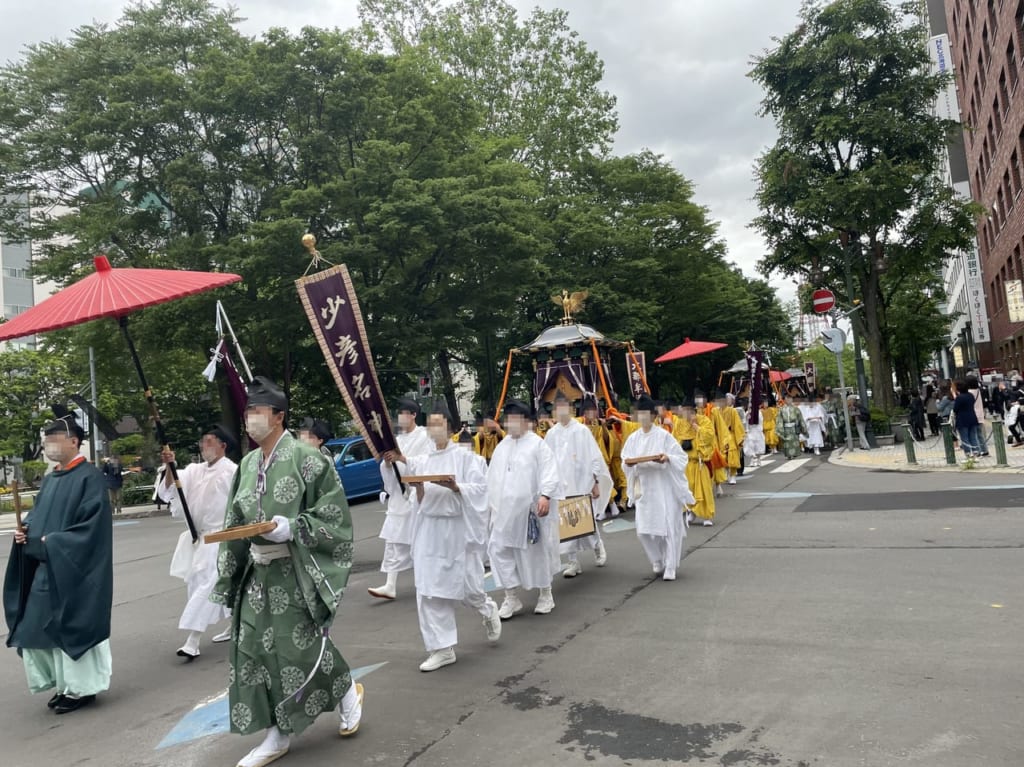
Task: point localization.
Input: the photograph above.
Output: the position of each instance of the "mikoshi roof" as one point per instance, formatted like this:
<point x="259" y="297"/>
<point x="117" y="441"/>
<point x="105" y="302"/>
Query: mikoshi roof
<point x="558" y="336"/>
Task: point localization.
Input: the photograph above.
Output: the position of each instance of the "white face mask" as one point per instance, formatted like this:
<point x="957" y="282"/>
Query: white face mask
<point x="406" y="421"/>
<point x="562" y="414"/>
<point x="699" y="402"/>
<point x="644" y="419"/>
<point x="514" y="427"/>
<point x="438" y="434"/>
<point x="209" y="454"/>
<point x="258" y="426"/>
<point x="53" y="452"/>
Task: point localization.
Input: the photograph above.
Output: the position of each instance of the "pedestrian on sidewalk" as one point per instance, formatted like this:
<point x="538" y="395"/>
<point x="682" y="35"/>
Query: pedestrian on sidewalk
<point x="861" y="417"/>
<point x="1013" y="422"/>
<point x="58" y="590"/>
<point x="977" y="392"/>
<point x="966" y="419"/>
<point x="917" y="416"/>
<point x="113" y="473"/>
<point x="931" y="408"/>
<point x="206" y="486"/>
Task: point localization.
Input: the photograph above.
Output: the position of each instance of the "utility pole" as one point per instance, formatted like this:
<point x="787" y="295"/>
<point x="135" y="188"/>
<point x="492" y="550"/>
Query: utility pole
<point x="862" y="383"/>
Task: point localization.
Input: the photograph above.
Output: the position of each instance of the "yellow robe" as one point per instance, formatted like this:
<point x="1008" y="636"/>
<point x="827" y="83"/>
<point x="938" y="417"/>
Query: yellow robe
<point x="611" y="451"/>
<point x="734" y="423"/>
<point x="620" y="434"/>
<point x="485" y="443"/>
<point x="768" y="417"/>
<point x="698" y="472"/>
<point x="725" y="444"/>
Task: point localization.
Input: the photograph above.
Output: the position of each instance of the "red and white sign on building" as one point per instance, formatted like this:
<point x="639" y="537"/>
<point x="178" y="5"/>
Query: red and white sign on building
<point x="823" y="300"/>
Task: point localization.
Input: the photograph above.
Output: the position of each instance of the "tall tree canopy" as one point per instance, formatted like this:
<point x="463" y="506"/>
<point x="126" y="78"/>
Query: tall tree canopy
<point x="851" y="183"/>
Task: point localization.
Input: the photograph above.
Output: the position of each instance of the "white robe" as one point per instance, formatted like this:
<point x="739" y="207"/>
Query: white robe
<point x="580" y="463"/>
<point x="397" y="528"/>
<point x="521" y="470"/>
<point x="814" y="416"/>
<point x="753" y="444"/>
<point x="206" y="491"/>
<point x="659" y="492"/>
<point x="449" y="537"/>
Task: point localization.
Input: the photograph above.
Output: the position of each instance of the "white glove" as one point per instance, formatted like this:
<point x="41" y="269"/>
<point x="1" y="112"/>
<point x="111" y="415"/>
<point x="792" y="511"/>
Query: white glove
<point x="282" y="533"/>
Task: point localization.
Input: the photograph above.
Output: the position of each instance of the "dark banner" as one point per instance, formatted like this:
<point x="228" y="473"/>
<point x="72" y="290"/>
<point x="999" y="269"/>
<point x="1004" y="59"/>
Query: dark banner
<point x="755" y="374"/>
<point x="333" y="311"/>
<point x="636" y="364"/>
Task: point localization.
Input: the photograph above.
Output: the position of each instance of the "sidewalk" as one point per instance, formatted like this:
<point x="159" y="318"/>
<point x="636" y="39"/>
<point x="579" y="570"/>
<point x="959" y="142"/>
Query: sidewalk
<point x="8" y="522"/>
<point x="930" y="456"/>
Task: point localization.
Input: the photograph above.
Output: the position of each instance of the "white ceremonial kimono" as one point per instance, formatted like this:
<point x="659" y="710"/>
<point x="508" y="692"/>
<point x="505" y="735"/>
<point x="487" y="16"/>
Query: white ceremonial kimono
<point x="397" y="528"/>
<point x="659" y="492"/>
<point x="753" y="444"/>
<point x="449" y="538"/>
<point x="206" y="491"/>
<point x="579" y="462"/>
<point x="814" y="416"/>
<point x="521" y="470"/>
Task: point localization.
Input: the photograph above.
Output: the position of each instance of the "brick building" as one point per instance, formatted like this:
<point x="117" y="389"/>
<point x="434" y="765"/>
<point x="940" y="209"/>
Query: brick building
<point x="986" y="39"/>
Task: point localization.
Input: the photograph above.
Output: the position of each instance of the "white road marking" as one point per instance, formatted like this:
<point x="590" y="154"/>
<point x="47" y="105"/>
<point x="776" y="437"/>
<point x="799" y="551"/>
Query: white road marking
<point x="789" y="466"/>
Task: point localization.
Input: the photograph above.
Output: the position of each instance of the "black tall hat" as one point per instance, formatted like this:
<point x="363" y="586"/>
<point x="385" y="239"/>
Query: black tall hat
<point x="644" y="402"/>
<point x="318" y="428"/>
<point x="221" y="433"/>
<point x="517" y="407"/>
<point x="263" y="391"/>
<point x="406" y="405"/>
<point x="465" y="437"/>
<point x="441" y="409"/>
<point x="560" y="397"/>
<point x="64" y="422"/>
<point x="589" y="403"/>
<point x="687" y="402"/>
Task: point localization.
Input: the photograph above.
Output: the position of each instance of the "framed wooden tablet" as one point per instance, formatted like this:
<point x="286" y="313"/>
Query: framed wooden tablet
<point x="644" y="459"/>
<point x="416" y="478"/>
<point x="240" y="531"/>
<point x="575" y="518"/>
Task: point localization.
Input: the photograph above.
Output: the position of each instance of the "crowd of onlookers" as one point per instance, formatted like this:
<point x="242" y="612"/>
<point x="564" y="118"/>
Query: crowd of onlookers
<point x="968" y="405"/>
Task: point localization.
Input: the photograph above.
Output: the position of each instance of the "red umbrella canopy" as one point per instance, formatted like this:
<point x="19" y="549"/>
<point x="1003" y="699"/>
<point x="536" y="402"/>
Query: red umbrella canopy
<point x="778" y="376"/>
<point x="690" y="348"/>
<point x="110" y="292"/>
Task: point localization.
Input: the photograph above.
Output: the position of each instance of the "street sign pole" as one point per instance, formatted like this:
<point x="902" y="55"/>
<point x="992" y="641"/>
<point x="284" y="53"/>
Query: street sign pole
<point x="845" y="402"/>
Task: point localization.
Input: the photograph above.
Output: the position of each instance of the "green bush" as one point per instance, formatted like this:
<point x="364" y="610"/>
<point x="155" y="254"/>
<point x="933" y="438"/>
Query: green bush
<point x="881" y="424"/>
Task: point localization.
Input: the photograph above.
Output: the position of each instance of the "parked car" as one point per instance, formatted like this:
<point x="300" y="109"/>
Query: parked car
<point x="357" y="469"/>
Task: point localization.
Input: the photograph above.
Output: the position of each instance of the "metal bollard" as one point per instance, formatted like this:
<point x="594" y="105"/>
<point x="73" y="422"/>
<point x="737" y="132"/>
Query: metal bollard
<point x="947" y="443"/>
<point x="908" y="443"/>
<point x="999" y="441"/>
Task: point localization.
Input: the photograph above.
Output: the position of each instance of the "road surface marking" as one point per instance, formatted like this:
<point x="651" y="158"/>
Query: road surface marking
<point x="783" y="495"/>
<point x="789" y="466"/>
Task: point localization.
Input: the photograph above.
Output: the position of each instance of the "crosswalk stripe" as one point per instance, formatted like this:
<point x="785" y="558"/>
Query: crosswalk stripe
<point x="789" y="466"/>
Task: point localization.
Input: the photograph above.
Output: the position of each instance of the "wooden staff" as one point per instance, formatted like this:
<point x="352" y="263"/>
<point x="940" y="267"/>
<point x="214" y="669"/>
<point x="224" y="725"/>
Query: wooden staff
<point x="16" y="499"/>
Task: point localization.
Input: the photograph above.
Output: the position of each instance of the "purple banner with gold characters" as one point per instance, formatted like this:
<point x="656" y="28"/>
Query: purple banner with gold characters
<point x="636" y="364"/>
<point x="333" y="311"/>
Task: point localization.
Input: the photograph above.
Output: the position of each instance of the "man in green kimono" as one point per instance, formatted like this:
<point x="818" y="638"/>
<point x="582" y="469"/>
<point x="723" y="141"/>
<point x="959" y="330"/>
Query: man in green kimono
<point x="60" y="577"/>
<point x="789" y="425"/>
<point x="284" y="587"/>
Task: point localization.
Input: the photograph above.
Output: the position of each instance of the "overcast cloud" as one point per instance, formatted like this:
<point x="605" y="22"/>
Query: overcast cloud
<point x="677" y="67"/>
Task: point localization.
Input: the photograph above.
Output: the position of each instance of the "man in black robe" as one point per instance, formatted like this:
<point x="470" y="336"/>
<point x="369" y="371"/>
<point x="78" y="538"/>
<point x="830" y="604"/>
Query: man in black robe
<point x="58" y="589"/>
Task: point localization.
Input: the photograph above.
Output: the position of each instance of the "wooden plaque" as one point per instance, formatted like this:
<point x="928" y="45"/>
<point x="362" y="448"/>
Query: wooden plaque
<point x="240" y="531"/>
<point x="645" y="459"/>
<point x="575" y="518"/>
<point x="414" y="479"/>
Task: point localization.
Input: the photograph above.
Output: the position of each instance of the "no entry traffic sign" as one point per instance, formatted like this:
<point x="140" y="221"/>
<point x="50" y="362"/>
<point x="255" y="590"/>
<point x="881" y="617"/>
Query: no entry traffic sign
<point x="823" y="300"/>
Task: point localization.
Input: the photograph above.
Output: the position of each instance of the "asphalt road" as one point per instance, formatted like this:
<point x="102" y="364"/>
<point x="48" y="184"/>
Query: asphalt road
<point x="888" y="631"/>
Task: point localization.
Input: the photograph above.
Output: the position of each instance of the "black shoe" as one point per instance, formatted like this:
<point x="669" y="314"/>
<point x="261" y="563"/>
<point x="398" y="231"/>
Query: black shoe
<point x="67" y="705"/>
<point x="55" y="700"/>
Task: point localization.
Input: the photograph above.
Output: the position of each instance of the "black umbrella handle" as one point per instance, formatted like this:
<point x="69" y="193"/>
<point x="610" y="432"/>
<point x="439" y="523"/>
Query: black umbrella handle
<point x="161" y="436"/>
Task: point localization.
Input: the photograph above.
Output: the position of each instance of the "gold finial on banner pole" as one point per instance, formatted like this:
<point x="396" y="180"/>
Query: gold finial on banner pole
<point x="309" y="243"/>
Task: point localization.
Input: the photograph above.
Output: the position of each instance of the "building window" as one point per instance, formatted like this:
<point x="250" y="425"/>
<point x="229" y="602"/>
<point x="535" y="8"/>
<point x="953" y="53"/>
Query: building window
<point x="1012" y="66"/>
<point x="13" y="310"/>
<point x="1007" y="191"/>
<point x="10" y="271"/>
<point x="997" y="113"/>
<point x="1015" y="172"/>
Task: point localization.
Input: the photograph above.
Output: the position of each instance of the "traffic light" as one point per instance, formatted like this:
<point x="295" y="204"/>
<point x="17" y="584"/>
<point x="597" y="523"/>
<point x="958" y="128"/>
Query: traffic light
<point x="425" y="385"/>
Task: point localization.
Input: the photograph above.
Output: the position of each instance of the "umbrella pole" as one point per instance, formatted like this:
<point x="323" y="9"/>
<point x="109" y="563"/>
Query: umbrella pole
<point x="160" y="435"/>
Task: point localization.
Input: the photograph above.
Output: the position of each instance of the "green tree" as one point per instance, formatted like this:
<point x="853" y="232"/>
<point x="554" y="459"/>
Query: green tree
<point x="33" y="380"/>
<point x="852" y="181"/>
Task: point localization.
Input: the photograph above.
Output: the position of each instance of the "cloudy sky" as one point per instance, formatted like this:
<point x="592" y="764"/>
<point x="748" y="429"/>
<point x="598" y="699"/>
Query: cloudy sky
<point x="677" y="67"/>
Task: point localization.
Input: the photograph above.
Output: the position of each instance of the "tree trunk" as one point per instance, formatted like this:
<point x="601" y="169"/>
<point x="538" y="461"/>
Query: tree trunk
<point x="444" y="364"/>
<point x="876" y="341"/>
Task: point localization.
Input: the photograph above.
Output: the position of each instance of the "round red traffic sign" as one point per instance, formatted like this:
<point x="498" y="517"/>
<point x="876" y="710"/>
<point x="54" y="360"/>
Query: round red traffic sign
<point x="823" y="300"/>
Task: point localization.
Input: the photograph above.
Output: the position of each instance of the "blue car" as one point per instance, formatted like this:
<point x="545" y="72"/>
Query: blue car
<point x="357" y="469"/>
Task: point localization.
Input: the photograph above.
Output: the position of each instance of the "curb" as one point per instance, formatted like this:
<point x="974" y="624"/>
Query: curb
<point x="900" y="466"/>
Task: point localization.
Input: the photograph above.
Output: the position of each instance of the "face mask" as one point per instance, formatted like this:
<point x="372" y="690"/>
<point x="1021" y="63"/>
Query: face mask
<point x="514" y="428"/>
<point x="311" y="441"/>
<point x="258" y="426"/>
<point x="644" y="419"/>
<point x="699" y="402"/>
<point x="438" y="433"/>
<point x="562" y="414"/>
<point x="53" y="452"/>
<point x="406" y="421"/>
<point x="209" y="454"/>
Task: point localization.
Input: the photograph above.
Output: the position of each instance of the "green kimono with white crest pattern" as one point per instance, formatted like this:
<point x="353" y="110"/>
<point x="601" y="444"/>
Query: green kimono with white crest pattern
<point x="280" y="610"/>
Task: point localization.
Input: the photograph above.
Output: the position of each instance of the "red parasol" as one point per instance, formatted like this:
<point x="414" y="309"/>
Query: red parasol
<point x="778" y="376"/>
<point x="116" y="293"/>
<point x="690" y="348"/>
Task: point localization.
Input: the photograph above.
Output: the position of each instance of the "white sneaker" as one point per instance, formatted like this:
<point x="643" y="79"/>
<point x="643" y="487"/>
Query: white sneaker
<point x="352" y="714"/>
<point x="689" y="517"/>
<point x="817" y="451"/>
<point x="658" y="568"/>
<point x="438" y="659"/>
<point x="732" y="480"/>
<point x="492" y="623"/>
<point x="707" y="523"/>
<point x="224" y="636"/>
<point x="573" y="569"/>
<point x="600" y="555"/>
<point x="719" y="491"/>
<point x="545" y="602"/>
<point x="509" y="607"/>
<point x="670" y="575"/>
<point x="273" y="747"/>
